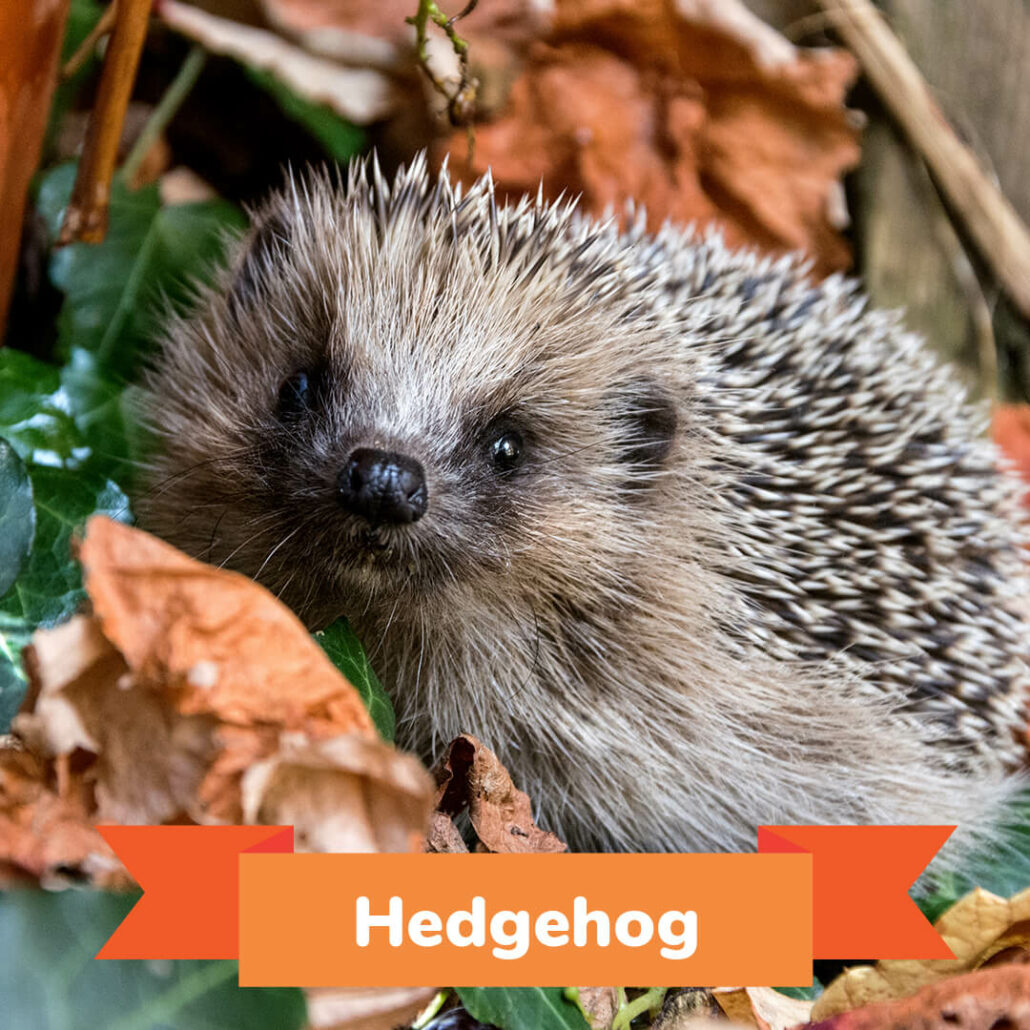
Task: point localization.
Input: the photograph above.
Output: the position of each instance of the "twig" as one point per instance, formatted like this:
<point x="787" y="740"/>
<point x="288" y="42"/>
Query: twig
<point x="86" y="216"/>
<point x="174" y="95"/>
<point x="426" y="1016"/>
<point x="628" y="1011"/>
<point x="87" y="46"/>
<point x="461" y="103"/>
<point x="992" y="223"/>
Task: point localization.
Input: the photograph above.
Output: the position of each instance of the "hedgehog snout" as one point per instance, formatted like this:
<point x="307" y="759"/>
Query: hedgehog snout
<point x="383" y="487"/>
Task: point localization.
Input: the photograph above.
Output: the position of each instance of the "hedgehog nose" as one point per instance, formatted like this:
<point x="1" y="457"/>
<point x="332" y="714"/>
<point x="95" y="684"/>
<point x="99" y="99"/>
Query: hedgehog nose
<point x="383" y="487"/>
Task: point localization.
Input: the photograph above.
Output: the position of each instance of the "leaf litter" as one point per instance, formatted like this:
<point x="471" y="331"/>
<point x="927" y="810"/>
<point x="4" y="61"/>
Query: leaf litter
<point x="190" y="694"/>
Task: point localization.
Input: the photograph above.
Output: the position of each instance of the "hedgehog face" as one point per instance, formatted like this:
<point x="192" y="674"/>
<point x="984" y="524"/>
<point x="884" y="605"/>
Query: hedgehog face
<point x="378" y="415"/>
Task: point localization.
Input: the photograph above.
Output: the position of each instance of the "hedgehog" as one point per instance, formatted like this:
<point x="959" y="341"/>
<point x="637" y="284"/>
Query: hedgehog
<point x="692" y="541"/>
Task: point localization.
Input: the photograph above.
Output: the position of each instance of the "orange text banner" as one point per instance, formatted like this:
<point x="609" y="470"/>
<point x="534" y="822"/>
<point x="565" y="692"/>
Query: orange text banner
<point x="741" y="918"/>
<point x="524" y="920"/>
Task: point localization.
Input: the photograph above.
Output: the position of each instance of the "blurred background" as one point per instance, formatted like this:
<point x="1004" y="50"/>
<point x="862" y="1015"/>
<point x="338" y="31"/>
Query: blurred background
<point x="748" y="113"/>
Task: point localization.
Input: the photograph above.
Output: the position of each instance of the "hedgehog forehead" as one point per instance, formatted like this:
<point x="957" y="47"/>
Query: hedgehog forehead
<point x="431" y="319"/>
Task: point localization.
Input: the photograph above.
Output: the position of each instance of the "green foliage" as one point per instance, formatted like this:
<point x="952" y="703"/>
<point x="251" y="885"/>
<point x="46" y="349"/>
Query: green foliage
<point x="341" y="139"/>
<point x="68" y="484"/>
<point x="346" y="653"/>
<point x="82" y="16"/>
<point x="1002" y="866"/>
<point x="49" y="979"/>
<point x="17" y="515"/>
<point x="114" y="292"/>
<point x="522" y="1008"/>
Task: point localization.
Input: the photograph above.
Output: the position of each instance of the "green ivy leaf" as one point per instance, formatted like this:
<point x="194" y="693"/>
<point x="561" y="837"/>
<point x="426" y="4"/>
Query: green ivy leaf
<point x="17" y="515"/>
<point x="114" y="295"/>
<point x="35" y="413"/>
<point x="49" y="979"/>
<point x="345" y="652"/>
<point x="522" y="1008"/>
<point x="341" y="139"/>
<point x="114" y="290"/>
<point x="68" y="484"/>
<point x="49" y="588"/>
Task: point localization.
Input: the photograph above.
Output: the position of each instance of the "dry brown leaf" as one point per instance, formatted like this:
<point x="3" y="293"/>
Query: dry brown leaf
<point x="697" y="110"/>
<point x="47" y="837"/>
<point x="347" y="794"/>
<point x="501" y="814"/>
<point x="600" y="1005"/>
<point x="185" y="680"/>
<point x="1010" y="424"/>
<point x="991" y="999"/>
<point x="365" y="1008"/>
<point x="978" y="928"/>
<point x="225" y="644"/>
<point x="361" y="95"/>
<point x="149" y="758"/>
<point x="508" y="20"/>
<point x="442" y="837"/>
<point x="691" y="1008"/>
<point x="763" y="1007"/>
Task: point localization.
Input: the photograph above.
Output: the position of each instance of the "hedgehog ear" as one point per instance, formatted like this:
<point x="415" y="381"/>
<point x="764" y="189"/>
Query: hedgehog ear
<point x="269" y="235"/>
<point x="647" y="423"/>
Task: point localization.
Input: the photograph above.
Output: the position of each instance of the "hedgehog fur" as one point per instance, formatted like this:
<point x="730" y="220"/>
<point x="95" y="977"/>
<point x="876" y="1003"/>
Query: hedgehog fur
<point x="754" y="563"/>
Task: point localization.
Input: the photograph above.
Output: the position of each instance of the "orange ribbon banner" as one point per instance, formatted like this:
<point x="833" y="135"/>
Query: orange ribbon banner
<point x="524" y="920"/>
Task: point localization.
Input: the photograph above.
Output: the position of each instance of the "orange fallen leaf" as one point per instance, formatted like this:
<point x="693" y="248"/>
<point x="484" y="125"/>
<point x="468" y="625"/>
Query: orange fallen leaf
<point x="697" y="110"/>
<point x="1011" y="428"/>
<point x="344" y="794"/>
<point x="47" y="837"/>
<point x="472" y="776"/>
<point x="191" y="694"/>
<point x="224" y="643"/>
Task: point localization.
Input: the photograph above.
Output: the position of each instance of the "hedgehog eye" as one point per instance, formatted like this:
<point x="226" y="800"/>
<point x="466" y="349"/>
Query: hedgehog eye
<point x="506" y="450"/>
<point x="295" y="396"/>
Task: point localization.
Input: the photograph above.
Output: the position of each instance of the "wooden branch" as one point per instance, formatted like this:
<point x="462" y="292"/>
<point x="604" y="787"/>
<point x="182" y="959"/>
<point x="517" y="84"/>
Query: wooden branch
<point x="989" y="219"/>
<point x="30" y="48"/>
<point x="89" y="44"/>
<point x="86" y="216"/>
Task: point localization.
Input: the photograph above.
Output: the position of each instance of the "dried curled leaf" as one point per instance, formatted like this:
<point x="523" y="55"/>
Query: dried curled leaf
<point x="599" y="1004"/>
<point x="763" y="1007"/>
<point x="508" y="20"/>
<point x="365" y="1008"/>
<point x="359" y="94"/>
<point x="471" y="776"/>
<point x="223" y="643"/>
<point x="46" y="831"/>
<point x="994" y="999"/>
<point x="346" y="794"/>
<point x="979" y="928"/>
<point x="185" y="680"/>
<point x="149" y="758"/>
<point x="697" y="110"/>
